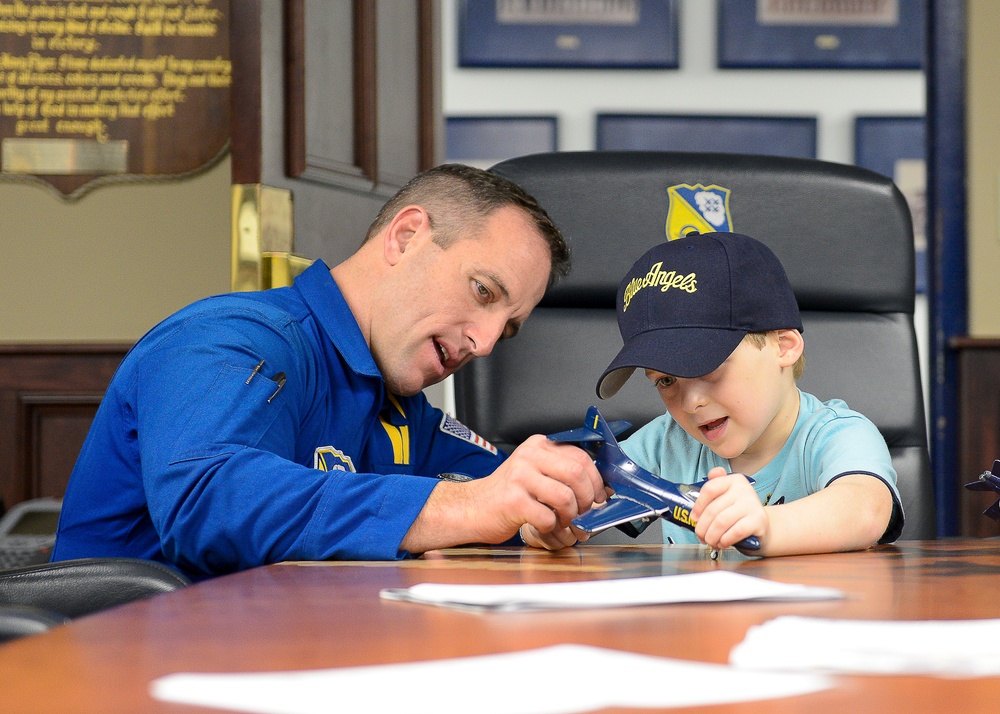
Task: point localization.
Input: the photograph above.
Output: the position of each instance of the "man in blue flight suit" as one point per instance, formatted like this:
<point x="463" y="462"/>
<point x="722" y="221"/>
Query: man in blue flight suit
<point x="289" y="424"/>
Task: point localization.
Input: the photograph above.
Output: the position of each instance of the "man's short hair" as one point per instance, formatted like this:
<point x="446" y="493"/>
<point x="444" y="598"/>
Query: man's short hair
<point x="459" y="199"/>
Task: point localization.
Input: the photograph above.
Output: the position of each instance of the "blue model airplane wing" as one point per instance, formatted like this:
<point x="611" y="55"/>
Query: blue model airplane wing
<point x="576" y="436"/>
<point x="614" y="512"/>
<point x="618" y="426"/>
<point x="594" y="431"/>
<point x="626" y="505"/>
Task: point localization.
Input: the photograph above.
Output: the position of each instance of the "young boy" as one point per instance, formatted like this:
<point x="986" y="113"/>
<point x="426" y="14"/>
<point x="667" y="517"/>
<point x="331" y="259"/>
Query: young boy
<point x="714" y="323"/>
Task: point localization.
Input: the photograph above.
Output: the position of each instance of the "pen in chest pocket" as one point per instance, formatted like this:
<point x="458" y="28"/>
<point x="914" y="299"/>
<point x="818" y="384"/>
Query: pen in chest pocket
<point x="278" y="379"/>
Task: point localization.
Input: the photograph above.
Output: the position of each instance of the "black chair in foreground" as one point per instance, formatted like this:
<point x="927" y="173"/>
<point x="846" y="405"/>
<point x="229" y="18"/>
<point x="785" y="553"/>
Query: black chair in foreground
<point x="73" y="588"/>
<point x="36" y="595"/>
<point x="35" y="598"/>
<point x="22" y="620"/>
<point x="843" y="234"/>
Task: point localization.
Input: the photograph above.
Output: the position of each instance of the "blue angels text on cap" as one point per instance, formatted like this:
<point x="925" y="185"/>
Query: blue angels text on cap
<point x="686" y="304"/>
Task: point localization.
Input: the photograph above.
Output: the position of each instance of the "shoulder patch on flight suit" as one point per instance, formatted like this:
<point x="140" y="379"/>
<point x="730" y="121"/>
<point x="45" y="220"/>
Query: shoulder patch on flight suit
<point x="327" y="458"/>
<point x="453" y="427"/>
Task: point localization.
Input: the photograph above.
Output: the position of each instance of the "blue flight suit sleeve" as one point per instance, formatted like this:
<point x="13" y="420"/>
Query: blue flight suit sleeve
<point x="218" y="447"/>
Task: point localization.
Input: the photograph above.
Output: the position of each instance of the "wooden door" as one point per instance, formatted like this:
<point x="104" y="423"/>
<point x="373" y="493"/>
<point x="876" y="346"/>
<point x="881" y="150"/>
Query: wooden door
<point x="336" y="102"/>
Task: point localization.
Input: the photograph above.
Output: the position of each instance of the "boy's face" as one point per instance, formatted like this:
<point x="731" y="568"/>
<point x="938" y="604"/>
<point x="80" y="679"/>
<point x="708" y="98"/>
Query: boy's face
<point x="745" y="409"/>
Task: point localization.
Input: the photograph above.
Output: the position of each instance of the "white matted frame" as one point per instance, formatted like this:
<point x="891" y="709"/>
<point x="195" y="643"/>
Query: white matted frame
<point x="896" y="147"/>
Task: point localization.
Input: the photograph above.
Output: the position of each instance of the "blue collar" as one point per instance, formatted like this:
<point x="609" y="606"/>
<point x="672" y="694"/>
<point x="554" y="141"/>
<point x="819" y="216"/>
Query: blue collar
<point x="327" y="304"/>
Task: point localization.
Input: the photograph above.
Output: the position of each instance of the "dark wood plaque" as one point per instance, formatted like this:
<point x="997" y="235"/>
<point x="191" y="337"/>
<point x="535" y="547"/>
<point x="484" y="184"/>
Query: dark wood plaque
<point x="104" y="91"/>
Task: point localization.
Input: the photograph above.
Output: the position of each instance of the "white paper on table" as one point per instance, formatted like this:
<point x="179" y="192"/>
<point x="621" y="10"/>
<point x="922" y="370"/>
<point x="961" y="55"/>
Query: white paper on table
<point x="945" y="648"/>
<point x="561" y="679"/>
<point x="710" y="586"/>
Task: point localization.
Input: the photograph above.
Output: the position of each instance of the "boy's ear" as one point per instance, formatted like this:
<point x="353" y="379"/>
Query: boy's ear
<point x="790" y="346"/>
<point x="405" y="230"/>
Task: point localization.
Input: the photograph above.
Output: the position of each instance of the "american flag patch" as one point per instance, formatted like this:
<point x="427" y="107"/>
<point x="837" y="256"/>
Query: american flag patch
<point x="459" y="430"/>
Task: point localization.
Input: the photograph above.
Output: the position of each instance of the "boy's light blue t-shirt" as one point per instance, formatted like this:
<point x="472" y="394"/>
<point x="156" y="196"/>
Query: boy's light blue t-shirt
<point x="829" y="440"/>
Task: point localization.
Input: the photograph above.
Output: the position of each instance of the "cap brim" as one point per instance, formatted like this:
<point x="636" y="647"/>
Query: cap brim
<point x="612" y="380"/>
<point x="680" y="352"/>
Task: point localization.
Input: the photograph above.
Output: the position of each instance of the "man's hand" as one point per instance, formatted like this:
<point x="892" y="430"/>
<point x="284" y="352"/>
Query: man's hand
<point x="554" y="540"/>
<point x="728" y="510"/>
<point x="545" y="485"/>
<point x="542" y="484"/>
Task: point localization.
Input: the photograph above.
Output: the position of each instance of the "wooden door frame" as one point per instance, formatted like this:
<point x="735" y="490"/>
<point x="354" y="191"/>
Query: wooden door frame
<point x="947" y="288"/>
<point x="245" y="101"/>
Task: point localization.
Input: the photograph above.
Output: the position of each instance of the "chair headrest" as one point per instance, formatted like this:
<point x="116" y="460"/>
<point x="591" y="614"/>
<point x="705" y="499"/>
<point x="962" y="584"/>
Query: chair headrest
<point x="857" y="220"/>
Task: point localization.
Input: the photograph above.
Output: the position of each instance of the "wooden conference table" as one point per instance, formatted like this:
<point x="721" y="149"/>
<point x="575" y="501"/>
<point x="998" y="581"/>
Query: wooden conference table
<point x="321" y="615"/>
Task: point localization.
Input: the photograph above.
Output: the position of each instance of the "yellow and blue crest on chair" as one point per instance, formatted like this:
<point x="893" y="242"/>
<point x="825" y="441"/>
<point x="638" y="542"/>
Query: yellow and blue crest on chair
<point x="699" y="208"/>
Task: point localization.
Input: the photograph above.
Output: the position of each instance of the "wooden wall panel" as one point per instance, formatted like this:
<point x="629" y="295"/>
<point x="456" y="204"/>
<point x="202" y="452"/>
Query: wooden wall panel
<point x="978" y="430"/>
<point x="48" y="397"/>
<point x="360" y="92"/>
<point x="333" y="103"/>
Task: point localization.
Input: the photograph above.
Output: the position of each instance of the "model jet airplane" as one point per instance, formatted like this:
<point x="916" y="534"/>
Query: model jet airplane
<point x="989" y="481"/>
<point x="640" y="496"/>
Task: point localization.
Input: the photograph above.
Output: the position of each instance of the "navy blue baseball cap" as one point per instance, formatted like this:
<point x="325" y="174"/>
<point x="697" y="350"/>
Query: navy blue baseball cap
<point x="688" y="303"/>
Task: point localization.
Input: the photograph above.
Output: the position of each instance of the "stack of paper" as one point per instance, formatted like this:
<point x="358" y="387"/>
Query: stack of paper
<point x="711" y="586"/>
<point x="551" y="680"/>
<point x="950" y="648"/>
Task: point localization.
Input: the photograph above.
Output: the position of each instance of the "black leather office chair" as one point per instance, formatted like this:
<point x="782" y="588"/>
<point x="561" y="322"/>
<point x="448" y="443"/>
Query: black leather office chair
<point x="22" y="620"/>
<point x="36" y="595"/>
<point x="843" y="234"/>
<point x="34" y="598"/>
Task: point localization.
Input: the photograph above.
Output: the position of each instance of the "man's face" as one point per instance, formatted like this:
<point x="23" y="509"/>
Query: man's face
<point x="443" y="306"/>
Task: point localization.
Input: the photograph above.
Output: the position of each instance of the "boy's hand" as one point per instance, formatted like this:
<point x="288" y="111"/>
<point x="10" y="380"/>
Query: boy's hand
<point x="728" y="510"/>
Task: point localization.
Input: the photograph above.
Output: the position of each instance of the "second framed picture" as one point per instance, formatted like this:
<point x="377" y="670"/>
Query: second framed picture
<point x="772" y="136"/>
<point x="484" y="140"/>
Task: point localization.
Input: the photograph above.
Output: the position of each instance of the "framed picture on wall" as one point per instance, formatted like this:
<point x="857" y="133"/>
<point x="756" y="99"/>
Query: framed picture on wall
<point x="776" y="34"/>
<point x="624" y="34"/>
<point x="896" y="147"/>
<point x="772" y="136"/>
<point x="484" y="140"/>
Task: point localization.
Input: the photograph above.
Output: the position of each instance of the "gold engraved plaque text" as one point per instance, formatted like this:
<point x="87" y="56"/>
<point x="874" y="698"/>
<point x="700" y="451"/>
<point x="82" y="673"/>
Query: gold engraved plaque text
<point x="112" y="88"/>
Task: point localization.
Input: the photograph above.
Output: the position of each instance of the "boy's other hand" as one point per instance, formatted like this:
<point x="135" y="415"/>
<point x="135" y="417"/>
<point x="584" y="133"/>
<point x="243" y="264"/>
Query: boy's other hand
<point x="728" y="510"/>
